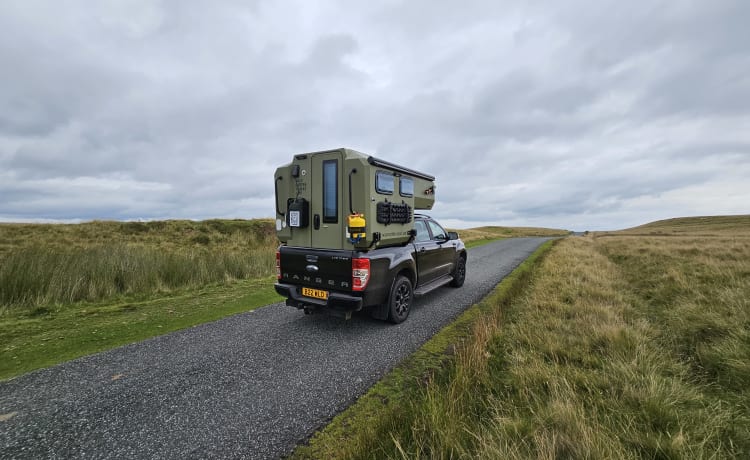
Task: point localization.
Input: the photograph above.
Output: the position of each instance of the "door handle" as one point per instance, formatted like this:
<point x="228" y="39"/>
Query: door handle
<point x="422" y="249"/>
<point x="316" y="221"/>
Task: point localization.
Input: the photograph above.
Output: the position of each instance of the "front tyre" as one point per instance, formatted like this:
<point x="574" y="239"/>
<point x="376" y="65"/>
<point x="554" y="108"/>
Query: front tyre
<point x="399" y="301"/>
<point x="459" y="272"/>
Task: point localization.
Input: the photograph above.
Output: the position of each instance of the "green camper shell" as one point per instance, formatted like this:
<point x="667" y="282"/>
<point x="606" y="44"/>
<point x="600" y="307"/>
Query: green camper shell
<point x="344" y="199"/>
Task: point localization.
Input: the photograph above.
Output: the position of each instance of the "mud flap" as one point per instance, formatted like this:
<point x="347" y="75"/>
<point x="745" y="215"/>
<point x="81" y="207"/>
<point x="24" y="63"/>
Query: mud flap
<point x="380" y="311"/>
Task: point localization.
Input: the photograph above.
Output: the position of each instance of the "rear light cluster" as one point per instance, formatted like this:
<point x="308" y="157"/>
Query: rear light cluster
<point x="360" y="274"/>
<point x="278" y="265"/>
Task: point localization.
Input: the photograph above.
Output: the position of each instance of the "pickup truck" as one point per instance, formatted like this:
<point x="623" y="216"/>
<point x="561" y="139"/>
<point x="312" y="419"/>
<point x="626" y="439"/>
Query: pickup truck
<point x="384" y="280"/>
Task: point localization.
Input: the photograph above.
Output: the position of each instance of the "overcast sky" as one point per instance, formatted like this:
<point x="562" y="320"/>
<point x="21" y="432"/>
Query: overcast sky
<point x="577" y="115"/>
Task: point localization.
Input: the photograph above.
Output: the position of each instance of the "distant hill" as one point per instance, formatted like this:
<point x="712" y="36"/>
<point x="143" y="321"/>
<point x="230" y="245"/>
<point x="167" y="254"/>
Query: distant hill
<point x="232" y="234"/>
<point x="693" y="226"/>
<point x="494" y="232"/>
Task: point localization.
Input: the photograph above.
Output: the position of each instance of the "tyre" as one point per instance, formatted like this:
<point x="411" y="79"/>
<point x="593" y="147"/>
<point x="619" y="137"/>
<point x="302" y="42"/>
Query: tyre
<point x="399" y="301"/>
<point x="459" y="272"/>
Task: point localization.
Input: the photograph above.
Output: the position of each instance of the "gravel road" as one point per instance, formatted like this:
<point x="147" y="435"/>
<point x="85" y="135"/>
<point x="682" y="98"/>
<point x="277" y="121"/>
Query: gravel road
<point x="249" y="386"/>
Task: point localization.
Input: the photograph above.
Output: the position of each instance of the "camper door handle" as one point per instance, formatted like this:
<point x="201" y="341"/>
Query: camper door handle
<point x="316" y="221"/>
<point x="276" y="195"/>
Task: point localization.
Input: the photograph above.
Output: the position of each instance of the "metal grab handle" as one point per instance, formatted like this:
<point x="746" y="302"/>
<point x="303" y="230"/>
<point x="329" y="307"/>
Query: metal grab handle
<point x="353" y="171"/>
<point x="276" y="195"/>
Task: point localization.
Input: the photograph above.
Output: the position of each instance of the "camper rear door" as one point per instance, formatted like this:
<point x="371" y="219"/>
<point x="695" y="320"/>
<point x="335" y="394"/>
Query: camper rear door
<point x="326" y="202"/>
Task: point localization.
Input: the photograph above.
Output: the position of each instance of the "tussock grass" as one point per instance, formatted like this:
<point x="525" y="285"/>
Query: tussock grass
<point x="43" y="265"/>
<point x="368" y="428"/>
<point x="625" y="346"/>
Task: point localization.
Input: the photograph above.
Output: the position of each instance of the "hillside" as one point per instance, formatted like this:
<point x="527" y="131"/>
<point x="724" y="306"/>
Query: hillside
<point x="480" y="234"/>
<point x="690" y="226"/>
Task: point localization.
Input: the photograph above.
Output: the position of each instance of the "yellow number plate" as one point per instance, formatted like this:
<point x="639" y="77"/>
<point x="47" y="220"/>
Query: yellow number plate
<point x="315" y="293"/>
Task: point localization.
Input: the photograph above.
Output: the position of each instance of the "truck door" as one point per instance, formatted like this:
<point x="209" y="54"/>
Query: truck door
<point x="426" y="254"/>
<point x="445" y="253"/>
<point x="326" y="202"/>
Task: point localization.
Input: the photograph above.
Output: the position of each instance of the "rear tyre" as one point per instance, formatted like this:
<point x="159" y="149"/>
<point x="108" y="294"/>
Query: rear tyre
<point x="399" y="301"/>
<point x="459" y="272"/>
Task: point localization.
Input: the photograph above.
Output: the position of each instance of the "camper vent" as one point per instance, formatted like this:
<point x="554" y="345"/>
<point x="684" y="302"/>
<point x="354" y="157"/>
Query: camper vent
<point x="392" y="213"/>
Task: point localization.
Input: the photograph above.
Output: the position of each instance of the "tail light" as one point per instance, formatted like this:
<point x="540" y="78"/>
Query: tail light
<point x="278" y="265"/>
<point x="360" y="274"/>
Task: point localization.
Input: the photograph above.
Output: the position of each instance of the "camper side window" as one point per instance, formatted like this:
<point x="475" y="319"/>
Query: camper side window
<point x="406" y="186"/>
<point x="330" y="192"/>
<point x="384" y="182"/>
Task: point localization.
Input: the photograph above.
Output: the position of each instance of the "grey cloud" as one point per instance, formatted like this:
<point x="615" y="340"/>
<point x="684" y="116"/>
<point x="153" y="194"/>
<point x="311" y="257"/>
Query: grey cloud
<point x="524" y="111"/>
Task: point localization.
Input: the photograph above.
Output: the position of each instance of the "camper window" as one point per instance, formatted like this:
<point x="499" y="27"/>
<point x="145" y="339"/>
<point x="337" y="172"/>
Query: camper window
<point x="406" y="186"/>
<point x="384" y="182"/>
<point x="330" y="191"/>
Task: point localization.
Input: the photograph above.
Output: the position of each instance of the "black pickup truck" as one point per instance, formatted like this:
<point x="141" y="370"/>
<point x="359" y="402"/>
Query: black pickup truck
<point x="385" y="280"/>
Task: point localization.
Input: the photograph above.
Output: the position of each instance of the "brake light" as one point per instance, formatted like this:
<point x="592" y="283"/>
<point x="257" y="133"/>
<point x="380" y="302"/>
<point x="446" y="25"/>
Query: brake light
<point x="278" y="265"/>
<point x="360" y="274"/>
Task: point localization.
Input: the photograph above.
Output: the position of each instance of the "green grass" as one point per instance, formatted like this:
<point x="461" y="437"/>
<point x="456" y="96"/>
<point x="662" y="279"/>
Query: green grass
<point x="624" y="346"/>
<point x="71" y="290"/>
<point x="359" y="431"/>
<point x="43" y="266"/>
<point x="43" y="337"/>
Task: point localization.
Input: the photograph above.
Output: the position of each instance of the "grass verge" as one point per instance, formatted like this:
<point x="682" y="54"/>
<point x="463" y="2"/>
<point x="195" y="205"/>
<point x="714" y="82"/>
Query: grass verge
<point x="358" y="431"/>
<point x="44" y="337"/>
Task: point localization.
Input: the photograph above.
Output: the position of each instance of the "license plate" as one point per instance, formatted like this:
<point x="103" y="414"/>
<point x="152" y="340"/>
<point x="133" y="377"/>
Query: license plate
<point x="315" y="293"/>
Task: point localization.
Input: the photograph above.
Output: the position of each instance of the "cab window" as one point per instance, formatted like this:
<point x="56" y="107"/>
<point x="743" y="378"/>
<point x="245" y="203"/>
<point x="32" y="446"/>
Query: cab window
<point x="422" y="234"/>
<point x="437" y="231"/>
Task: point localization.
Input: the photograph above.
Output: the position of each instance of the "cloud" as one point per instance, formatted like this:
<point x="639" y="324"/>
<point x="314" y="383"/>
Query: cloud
<point x="564" y="115"/>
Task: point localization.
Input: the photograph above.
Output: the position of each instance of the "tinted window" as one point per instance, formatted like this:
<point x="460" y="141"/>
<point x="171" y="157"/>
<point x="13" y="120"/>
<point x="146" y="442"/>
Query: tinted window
<point x="437" y="231"/>
<point x="330" y="189"/>
<point x="406" y="186"/>
<point x="421" y="229"/>
<point x="384" y="182"/>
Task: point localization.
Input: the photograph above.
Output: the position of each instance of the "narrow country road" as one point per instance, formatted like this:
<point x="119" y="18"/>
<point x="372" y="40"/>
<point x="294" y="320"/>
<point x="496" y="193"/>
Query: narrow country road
<point x="249" y="386"/>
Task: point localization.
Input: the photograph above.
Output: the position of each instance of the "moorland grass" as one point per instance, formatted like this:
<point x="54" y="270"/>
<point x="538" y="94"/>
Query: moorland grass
<point x="71" y="290"/>
<point x="625" y="346"/>
<point x="360" y="431"/>
<point x="46" y="266"/>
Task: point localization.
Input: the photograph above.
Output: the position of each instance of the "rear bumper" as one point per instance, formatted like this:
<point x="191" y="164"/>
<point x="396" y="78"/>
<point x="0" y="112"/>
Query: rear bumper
<point x="336" y="301"/>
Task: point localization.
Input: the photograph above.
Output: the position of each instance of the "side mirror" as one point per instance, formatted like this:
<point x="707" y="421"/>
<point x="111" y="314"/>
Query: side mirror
<point x="452" y="236"/>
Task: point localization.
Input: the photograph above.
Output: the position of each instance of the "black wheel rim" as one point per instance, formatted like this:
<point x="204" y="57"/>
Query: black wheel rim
<point x="461" y="271"/>
<point x="401" y="299"/>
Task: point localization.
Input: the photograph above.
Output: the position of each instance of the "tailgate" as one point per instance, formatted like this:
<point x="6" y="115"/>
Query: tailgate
<point x="325" y="269"/>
